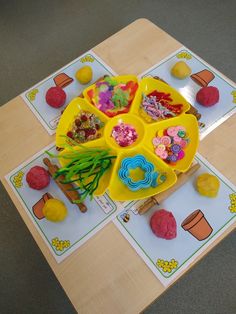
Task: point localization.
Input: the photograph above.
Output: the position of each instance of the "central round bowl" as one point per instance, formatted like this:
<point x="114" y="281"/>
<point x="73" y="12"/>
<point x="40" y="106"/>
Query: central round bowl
<point x="131" y="120"/>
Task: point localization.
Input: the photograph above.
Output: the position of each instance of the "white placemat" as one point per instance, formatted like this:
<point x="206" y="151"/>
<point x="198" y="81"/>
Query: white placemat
<point x="64" y="237"/>
<point x="169" y="258"/>
<point x="211" y="116"/>
<point x="34" y="97"/>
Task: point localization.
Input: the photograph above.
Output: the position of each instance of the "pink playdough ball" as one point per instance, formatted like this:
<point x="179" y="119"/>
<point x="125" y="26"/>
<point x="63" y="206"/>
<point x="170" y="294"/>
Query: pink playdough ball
<point x="163" y="224"/>
<point x="37" y="178"/>
<point x="55" y="97"/>
<point x="208" y="96"/>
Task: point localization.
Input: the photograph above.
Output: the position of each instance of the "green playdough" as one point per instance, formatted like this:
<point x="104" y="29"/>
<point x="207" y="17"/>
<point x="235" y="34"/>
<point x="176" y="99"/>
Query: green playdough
<point x="181" y="70"/>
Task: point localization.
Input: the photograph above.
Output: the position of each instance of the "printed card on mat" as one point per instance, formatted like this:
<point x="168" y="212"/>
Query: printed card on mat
<point x="202" y="75"/>
<point x="65" y="79"/>
<point x="200" y="221"/>
<point x="66" y="236"/>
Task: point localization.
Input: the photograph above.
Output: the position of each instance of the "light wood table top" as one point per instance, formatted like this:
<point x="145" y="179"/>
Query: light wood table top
<point x="106" y="275"/>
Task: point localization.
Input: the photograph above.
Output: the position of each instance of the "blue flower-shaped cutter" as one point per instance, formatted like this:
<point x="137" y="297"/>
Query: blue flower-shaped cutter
<point x="138" y="161"/>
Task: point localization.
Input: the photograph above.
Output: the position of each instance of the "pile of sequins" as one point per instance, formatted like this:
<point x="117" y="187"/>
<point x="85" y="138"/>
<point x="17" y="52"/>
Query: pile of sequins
<point x="156" y="106"/>
<point x="124" y="134"/>
<point x="170" y="146"/>
<point x="85" y="127"/>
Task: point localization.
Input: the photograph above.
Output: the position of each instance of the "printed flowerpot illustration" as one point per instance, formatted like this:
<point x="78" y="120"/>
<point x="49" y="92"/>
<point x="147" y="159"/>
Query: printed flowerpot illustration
<point x="197" y="225"/>
<point x="37" y="207"/>
<point x="62" y="80"/>
<point x="203" y="78"/>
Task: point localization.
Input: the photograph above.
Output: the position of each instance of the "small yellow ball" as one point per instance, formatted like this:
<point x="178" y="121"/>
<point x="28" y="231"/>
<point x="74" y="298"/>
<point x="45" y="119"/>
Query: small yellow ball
<point x="54" y="210"/>
<point x="84" y="75"/>
<point x="181" y="70"/>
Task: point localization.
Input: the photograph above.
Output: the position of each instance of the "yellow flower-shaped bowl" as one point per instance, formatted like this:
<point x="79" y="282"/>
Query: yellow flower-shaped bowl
<point x="142" y="146"/>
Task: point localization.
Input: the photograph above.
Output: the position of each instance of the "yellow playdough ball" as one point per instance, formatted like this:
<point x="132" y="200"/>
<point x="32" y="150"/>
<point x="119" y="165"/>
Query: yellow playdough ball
<point x="54" y="210"/>
<point x="84" y="75"/>
<point x="208" y="185"/>
<point x="181" y="70"/>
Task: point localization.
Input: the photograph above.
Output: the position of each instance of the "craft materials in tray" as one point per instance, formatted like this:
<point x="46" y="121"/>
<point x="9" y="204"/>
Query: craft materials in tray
<point x="86" y="167"/>
<point x="154" y="105"/>
<point x="112" y="95"/>
<point x="124" y="134"/>
<point x="135" y="169"/>
<point x="157" y="106"/>
<point x="173" y="234"/>
<point x="55" y="208"/>
<point x="151" y="178"/>
<point x="50" y="97"/>
<point x="85" y="127"/>
<point x="170" y="146"/>
<point x="211" y="95"/>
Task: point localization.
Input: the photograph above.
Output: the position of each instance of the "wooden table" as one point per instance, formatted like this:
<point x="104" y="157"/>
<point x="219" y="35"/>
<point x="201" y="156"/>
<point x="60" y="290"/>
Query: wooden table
<point x="106" y="275"/>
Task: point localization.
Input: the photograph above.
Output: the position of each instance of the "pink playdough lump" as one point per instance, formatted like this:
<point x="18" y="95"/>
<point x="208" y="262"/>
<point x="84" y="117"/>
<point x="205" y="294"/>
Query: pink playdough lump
<point x="37" y="178"/>
<point x="163" y="224"/>
<point x="208" y="96"/>
<point x="55" y="97"/>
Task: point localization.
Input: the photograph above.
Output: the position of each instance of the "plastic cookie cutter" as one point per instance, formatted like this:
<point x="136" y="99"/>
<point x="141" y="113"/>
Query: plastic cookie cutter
<point x="151" y="177"/>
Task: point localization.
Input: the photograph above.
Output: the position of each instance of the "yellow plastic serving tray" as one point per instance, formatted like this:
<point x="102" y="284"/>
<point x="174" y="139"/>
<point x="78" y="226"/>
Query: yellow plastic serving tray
<point x="142" y="146"/>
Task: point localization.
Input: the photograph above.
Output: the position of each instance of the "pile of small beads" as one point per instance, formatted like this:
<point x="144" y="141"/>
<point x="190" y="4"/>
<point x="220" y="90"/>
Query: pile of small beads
<point x="85" y="127"/>
<point x="156" y="106"/>
<point x="124" y="134"/>
<point x="170" y="146"/>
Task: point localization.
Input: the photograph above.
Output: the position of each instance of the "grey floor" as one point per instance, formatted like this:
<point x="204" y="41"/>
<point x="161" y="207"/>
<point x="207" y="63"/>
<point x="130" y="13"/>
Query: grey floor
<point x="39" y="37"/>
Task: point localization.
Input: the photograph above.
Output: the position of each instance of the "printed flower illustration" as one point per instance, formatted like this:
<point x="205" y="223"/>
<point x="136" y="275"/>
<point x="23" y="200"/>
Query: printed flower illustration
<point x="32" y="94"/>
<point x="173" y="263"/>
<point x="184" y="55"/>
<point x="234" y="96"/>
<point x="60" y="245"/>
<point x="232" y="206"/>
<point x="167" y="266"/>
<point x="87" y="58"/>
<point x="17" y="179"/>
<point x="160" y="262"/>
<point x="55" y="241"/>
